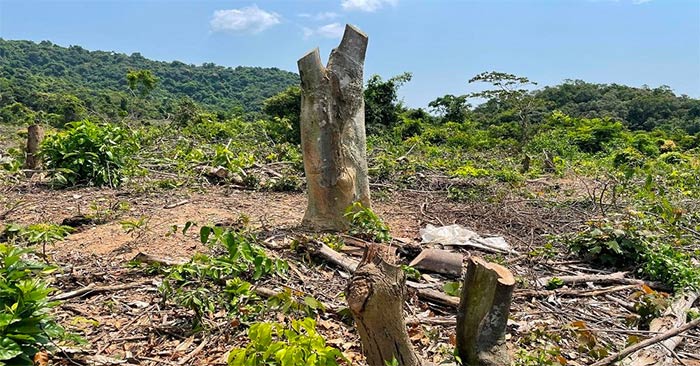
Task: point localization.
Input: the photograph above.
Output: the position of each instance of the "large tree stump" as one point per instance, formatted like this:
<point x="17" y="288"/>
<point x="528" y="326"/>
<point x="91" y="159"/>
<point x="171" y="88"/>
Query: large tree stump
<point x="333" y="132"/>
<point x="375" y="297"/>
<point x="483" y="314"/>
<point x="35" y="134"/>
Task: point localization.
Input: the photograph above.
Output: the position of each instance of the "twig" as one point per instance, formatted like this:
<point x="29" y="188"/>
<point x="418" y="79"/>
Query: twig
<point x="177" y="204"/>
<point x="659" y="338"/>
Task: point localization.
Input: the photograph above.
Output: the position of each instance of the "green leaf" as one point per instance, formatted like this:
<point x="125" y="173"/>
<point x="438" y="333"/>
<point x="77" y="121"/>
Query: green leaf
<point x="9" y="349"/>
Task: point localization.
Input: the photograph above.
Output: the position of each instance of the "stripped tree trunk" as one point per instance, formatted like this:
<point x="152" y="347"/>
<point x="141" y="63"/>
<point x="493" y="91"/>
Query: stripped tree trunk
<point x="35" y="134"/>
<point x="333" y="132"/>
<point x="483" y="314"/>
<point x="375" y="297"/>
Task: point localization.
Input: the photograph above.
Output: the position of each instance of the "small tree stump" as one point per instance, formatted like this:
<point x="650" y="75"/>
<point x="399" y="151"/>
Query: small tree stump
<point x="35" y="134"/>
<point x="375" y="297"/>
<point x="483" y="314"/>
<point x="333" y="137"/>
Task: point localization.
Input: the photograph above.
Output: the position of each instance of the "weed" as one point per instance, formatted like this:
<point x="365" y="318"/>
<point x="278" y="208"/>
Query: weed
<point x="365" y="224"/>
<point x="278" y="344"/>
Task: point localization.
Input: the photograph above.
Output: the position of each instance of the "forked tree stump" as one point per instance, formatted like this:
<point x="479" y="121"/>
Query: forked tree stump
<point x="35" y="134"/>
<point x="375" y="297"/>
<point x="483" y="314"/>
<point x="333" y="137"/>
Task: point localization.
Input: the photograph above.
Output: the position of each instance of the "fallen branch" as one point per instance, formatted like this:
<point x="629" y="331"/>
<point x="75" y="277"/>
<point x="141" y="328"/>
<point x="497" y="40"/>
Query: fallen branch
<point x="617" y="278"/>
<point x="176" y="204"/>
<point x="662" y="354"/>
<point x="151" y="259"/>
<point x="651" y="341"/>
<point x="570" y="292"/>
<point x="93" y="289"/>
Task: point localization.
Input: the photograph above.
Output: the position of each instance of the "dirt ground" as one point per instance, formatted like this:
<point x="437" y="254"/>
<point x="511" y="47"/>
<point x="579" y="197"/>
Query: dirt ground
<point x="131" y="325"/>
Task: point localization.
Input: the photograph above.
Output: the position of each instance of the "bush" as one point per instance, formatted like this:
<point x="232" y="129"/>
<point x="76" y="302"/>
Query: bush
<point x="88" y="153"/>
<point x="25" y="323"/>
<point x="277" y="344"/>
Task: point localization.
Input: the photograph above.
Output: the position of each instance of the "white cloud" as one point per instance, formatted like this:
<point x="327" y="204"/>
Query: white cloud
<point x="333" y="30"/>
<point x="248" y="19"/>
<point x="366" y="5"/>
<point x="637" y="2"/>
<point x="325" y="15"/>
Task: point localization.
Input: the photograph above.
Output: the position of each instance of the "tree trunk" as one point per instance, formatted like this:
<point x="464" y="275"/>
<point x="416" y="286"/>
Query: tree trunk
<point x="483" y="313"/>
<point x="35" y="134"/>
<point x="375" y="297"/>
<point x="333" y="132"/>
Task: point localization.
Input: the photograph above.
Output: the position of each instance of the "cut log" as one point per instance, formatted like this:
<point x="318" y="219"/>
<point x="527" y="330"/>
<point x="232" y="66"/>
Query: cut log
<point x="439" y="261"/>
<point x="333" y="137"/>
<point x="483" y="314"/>
<point x="660" y="352"/>
<point x="375" y="296"/>
<point x="35" y="134"/>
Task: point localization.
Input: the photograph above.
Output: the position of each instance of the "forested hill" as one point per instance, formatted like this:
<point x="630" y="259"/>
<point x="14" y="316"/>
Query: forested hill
<point x="35" y="74"/>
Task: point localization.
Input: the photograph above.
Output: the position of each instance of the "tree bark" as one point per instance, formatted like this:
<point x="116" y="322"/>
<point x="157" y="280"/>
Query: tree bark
<point x="333" y="137"/>
<point x="35" y="134"/>
<point x="375" y="297"/>
<point x="483" y="313"/>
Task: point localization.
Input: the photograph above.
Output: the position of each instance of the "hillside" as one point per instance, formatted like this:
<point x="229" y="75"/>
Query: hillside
<point x="35" y="74"/>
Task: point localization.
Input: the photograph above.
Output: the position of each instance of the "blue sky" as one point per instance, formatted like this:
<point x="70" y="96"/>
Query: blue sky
<point x="443" y="43"/>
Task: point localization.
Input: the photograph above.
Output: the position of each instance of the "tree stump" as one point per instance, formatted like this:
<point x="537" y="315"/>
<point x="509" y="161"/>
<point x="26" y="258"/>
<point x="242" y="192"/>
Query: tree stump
<point x="333" y="137"/>
<point x="483" y="314"/>
<point x="375" y="297"/>
<point x="35" y="134"/>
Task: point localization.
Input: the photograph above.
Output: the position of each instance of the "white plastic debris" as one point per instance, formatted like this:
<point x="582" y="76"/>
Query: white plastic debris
<point x="457" y="235"/>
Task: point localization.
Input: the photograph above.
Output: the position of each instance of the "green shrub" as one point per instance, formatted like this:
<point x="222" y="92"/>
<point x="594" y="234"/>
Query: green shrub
<point x="26" y="325"/>
<point x="88" y="153"/>
<point x="365" y="224"/>
<point x="632" y="242"/>
<point x="207" y="283"/>
<point x="276" y="344"/>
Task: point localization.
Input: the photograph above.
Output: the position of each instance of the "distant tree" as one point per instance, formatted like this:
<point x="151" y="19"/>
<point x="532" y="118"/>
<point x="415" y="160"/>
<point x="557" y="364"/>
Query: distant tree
<point x="141" y="81"/>
<point x="186" y="111"/>
<point x="382" y="106"/>
<point x="451" y="108"/>
<point x="510" y="92"/>
<point x="286" y="107"/>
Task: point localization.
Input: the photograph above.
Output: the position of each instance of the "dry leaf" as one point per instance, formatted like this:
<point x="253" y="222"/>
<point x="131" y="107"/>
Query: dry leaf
<point x="41" y="358"/>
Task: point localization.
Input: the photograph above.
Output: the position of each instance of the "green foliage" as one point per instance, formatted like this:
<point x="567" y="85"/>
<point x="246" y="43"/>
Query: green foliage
<point x="411" y="272"/>
<point x="88" y="153"/>
<point x="26" y="325"/>
<point x="278" y="344"/>
<point x="637" y="240"/>
<point x="365" y="224"/>
<point x="35" y="233"/>
<point x="97" y="80"/>
<point x="208" y="282"/>
<point x="382" y="106"/>
<point x="141" y="81"/>
<point x="284" y="108"/>
<point x="452" y="288"/>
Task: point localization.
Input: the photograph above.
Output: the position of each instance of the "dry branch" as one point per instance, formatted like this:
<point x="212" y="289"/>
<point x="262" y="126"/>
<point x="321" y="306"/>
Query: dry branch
<point x="618" y="278"/>
<point x="93" y="289"/>
<point x="651" y="341"/>
<point x="661" y="353"/>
